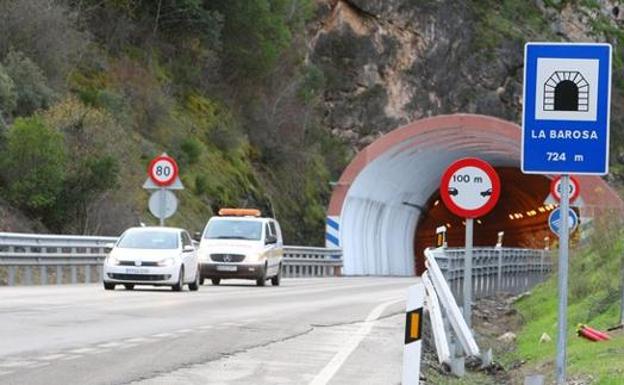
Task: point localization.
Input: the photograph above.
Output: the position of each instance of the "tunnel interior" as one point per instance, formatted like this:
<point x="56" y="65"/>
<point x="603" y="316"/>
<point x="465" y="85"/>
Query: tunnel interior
<point x="520" y="214"/>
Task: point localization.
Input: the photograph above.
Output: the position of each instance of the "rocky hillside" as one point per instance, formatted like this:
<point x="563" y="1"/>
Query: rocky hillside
<point x="388" y="62"/>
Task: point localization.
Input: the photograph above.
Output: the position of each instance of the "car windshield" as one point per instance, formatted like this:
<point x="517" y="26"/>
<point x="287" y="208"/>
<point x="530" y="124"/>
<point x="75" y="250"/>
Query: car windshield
<point x="149" y="240"/>
<point x="232" y="229"/>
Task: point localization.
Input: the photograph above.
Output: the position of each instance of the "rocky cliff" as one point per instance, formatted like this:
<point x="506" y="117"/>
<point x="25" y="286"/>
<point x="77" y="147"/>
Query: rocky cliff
<point x="388" y="62"/>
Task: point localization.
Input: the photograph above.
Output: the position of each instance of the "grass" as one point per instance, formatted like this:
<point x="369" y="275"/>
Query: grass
<point x="594" y="300"/>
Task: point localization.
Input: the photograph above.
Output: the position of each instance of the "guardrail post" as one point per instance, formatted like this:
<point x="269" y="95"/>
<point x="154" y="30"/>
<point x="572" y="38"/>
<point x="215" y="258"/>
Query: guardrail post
<point x="43" y="273"/>
<point x="59" y="274"/>
<point x="499" y="277"/>
<point x="11" y="278"/>
<point x="87" y="272"/>
<point x="74" y="271"/>
<point x="28" y="270"/>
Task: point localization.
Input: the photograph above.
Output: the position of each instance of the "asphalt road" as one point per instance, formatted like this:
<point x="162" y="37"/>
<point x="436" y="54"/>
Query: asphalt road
<point x="306" y="332"/>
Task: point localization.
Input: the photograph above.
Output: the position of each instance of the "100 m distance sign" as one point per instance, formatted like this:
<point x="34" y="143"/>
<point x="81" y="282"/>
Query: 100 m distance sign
<point x="470" y="188"/>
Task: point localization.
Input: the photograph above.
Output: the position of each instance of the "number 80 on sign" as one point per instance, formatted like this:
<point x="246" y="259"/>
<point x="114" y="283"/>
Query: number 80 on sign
<point x="163" y="170"/>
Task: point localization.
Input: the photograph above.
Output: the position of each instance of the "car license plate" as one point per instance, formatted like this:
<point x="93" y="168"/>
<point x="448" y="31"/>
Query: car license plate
<point x="136" y="271"/>
<point x="226" y="268"/>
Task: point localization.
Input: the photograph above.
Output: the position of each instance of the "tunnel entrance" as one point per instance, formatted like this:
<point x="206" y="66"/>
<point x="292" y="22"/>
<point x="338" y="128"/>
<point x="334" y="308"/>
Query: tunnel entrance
<point x="520" y="213"/>
<point x="385" y="208"/>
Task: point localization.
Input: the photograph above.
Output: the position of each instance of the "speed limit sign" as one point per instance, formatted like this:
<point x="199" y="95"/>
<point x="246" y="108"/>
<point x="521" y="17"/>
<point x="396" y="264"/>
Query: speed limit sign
<point x="163" y="170"/>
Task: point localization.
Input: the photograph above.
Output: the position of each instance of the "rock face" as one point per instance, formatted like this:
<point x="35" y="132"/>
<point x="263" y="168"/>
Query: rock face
<point x="388" y="62"/>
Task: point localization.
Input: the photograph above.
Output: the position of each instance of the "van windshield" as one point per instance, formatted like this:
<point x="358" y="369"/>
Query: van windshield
<point x="233" y="229"/>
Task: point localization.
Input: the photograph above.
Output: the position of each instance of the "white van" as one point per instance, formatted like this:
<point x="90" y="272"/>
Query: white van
<point x="240" y="244"/>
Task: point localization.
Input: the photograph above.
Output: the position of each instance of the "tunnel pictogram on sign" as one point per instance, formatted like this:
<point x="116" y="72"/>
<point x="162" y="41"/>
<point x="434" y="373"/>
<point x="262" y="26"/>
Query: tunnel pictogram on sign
<point x="566" y="91"/>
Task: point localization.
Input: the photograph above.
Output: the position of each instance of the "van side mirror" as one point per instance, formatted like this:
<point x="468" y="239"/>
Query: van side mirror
<point x="188" y="249"/>
<point x="270" y="239"/>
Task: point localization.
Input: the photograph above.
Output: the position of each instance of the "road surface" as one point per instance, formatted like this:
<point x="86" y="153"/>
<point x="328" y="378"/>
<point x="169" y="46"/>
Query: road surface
<point x="306" y="332"/>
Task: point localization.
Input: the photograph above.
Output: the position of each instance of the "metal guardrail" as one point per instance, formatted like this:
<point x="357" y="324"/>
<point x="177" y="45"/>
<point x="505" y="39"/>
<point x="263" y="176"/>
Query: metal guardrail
<point x="494" y="270"/>
<point x="29" y="259"/>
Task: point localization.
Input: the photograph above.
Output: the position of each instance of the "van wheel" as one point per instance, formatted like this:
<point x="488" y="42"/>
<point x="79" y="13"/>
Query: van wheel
<point x="180" y="285"/>
<point x="216" y="281"/>
<point x="262" y="280"/>
<point x="129" y="286"/>
<point x="276" y="279"/>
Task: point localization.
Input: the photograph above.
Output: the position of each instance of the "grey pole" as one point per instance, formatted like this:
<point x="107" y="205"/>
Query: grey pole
<point x="161" y="206"/>
<point x="622" y="299"/>
<point x="564" y="232"/>
<point x="468" y="271"/>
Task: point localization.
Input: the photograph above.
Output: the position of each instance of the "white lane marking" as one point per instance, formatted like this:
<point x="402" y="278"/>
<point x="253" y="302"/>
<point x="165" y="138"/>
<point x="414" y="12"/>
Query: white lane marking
<point x="206" y="327"/>
<point x="52" y="357"/>
<point x="82" y="350"/>
<point x="5" y="372"/>
<point x="72" y="357"/>
<point x="16" y="364"/>
<point x="110" y="345"/>
<point x="138" y="340"/>
<point x="162" y="335"/>
<point x="350" y="345"/>
<point x="184" y="331"/>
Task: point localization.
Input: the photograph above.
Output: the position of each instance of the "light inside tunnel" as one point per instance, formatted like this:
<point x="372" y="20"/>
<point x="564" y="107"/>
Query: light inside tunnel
<point x="385" y="208"/>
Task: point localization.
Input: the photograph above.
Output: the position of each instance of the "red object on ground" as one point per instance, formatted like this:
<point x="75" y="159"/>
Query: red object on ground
<point x="582" y="332"/>
<point x="600" y="334"/>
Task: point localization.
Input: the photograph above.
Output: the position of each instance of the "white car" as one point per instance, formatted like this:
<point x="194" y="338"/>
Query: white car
<point x="240" y="244"/>
<point x="157" y="256"/>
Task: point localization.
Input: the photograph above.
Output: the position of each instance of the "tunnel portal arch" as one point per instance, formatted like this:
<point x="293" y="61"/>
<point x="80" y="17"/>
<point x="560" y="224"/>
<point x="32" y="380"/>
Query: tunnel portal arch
<point x="385" y="206"/>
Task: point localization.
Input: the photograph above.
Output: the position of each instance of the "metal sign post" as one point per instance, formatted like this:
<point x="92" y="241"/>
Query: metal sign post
<point x="467" y="308"/>
<point x="161" y="207"/>
<point x="564" y="235"/>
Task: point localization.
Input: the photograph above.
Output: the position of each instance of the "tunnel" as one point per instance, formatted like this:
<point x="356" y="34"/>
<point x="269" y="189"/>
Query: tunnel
<point x="385" y="208"/>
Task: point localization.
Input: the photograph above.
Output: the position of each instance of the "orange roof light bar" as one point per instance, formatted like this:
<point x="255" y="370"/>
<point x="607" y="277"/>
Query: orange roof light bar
<point x="228" y="212"/>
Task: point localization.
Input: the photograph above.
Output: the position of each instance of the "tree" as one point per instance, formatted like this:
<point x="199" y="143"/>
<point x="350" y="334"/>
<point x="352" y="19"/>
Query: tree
<point x="33" y="165"/>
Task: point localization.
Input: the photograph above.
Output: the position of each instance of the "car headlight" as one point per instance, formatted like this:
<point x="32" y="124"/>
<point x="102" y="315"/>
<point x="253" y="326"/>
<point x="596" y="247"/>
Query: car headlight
<point x="166" y="262"/>
<point x="112" y="261"/>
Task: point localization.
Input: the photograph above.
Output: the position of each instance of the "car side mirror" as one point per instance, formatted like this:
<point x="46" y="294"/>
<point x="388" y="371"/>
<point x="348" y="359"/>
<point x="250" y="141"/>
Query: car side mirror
<point x="188" y="249"/>
<point x="108" y="246"/>
<point x="270" y="239"/>
<point x="197" y="236"/>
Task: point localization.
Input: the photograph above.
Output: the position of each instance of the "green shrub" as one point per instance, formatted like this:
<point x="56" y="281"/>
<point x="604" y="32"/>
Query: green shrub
<point x="31" y="85"/>
<point x="33" y="165"/>
<point x="192" y="149"/>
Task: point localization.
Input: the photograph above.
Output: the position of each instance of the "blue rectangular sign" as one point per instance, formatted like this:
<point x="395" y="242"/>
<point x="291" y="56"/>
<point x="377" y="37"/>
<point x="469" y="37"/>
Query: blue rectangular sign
<point x="565" y="117"/>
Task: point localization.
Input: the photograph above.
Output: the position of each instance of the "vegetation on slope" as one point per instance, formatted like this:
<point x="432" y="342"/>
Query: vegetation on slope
<point x="594" y="299"/>
<point x="91" y="90"/>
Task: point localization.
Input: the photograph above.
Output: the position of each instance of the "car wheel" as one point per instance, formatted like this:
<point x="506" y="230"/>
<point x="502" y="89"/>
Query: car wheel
<point x="216" y="281"/>
<point x="194" y="286"/>
<point x="276" y="279"/>
<point x="129" y="286"/>
<point x="109" y="286"/>
<point x="180" y="285"/>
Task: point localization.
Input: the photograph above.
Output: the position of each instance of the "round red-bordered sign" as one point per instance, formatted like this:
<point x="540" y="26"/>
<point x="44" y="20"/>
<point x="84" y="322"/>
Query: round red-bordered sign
<point x="470" y="188"/>
<point x="555" y="187"/>
<point x="163" y="170"/>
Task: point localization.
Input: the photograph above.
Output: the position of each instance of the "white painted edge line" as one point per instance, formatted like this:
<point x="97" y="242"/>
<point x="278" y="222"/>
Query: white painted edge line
<point x="351" y="344"/>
